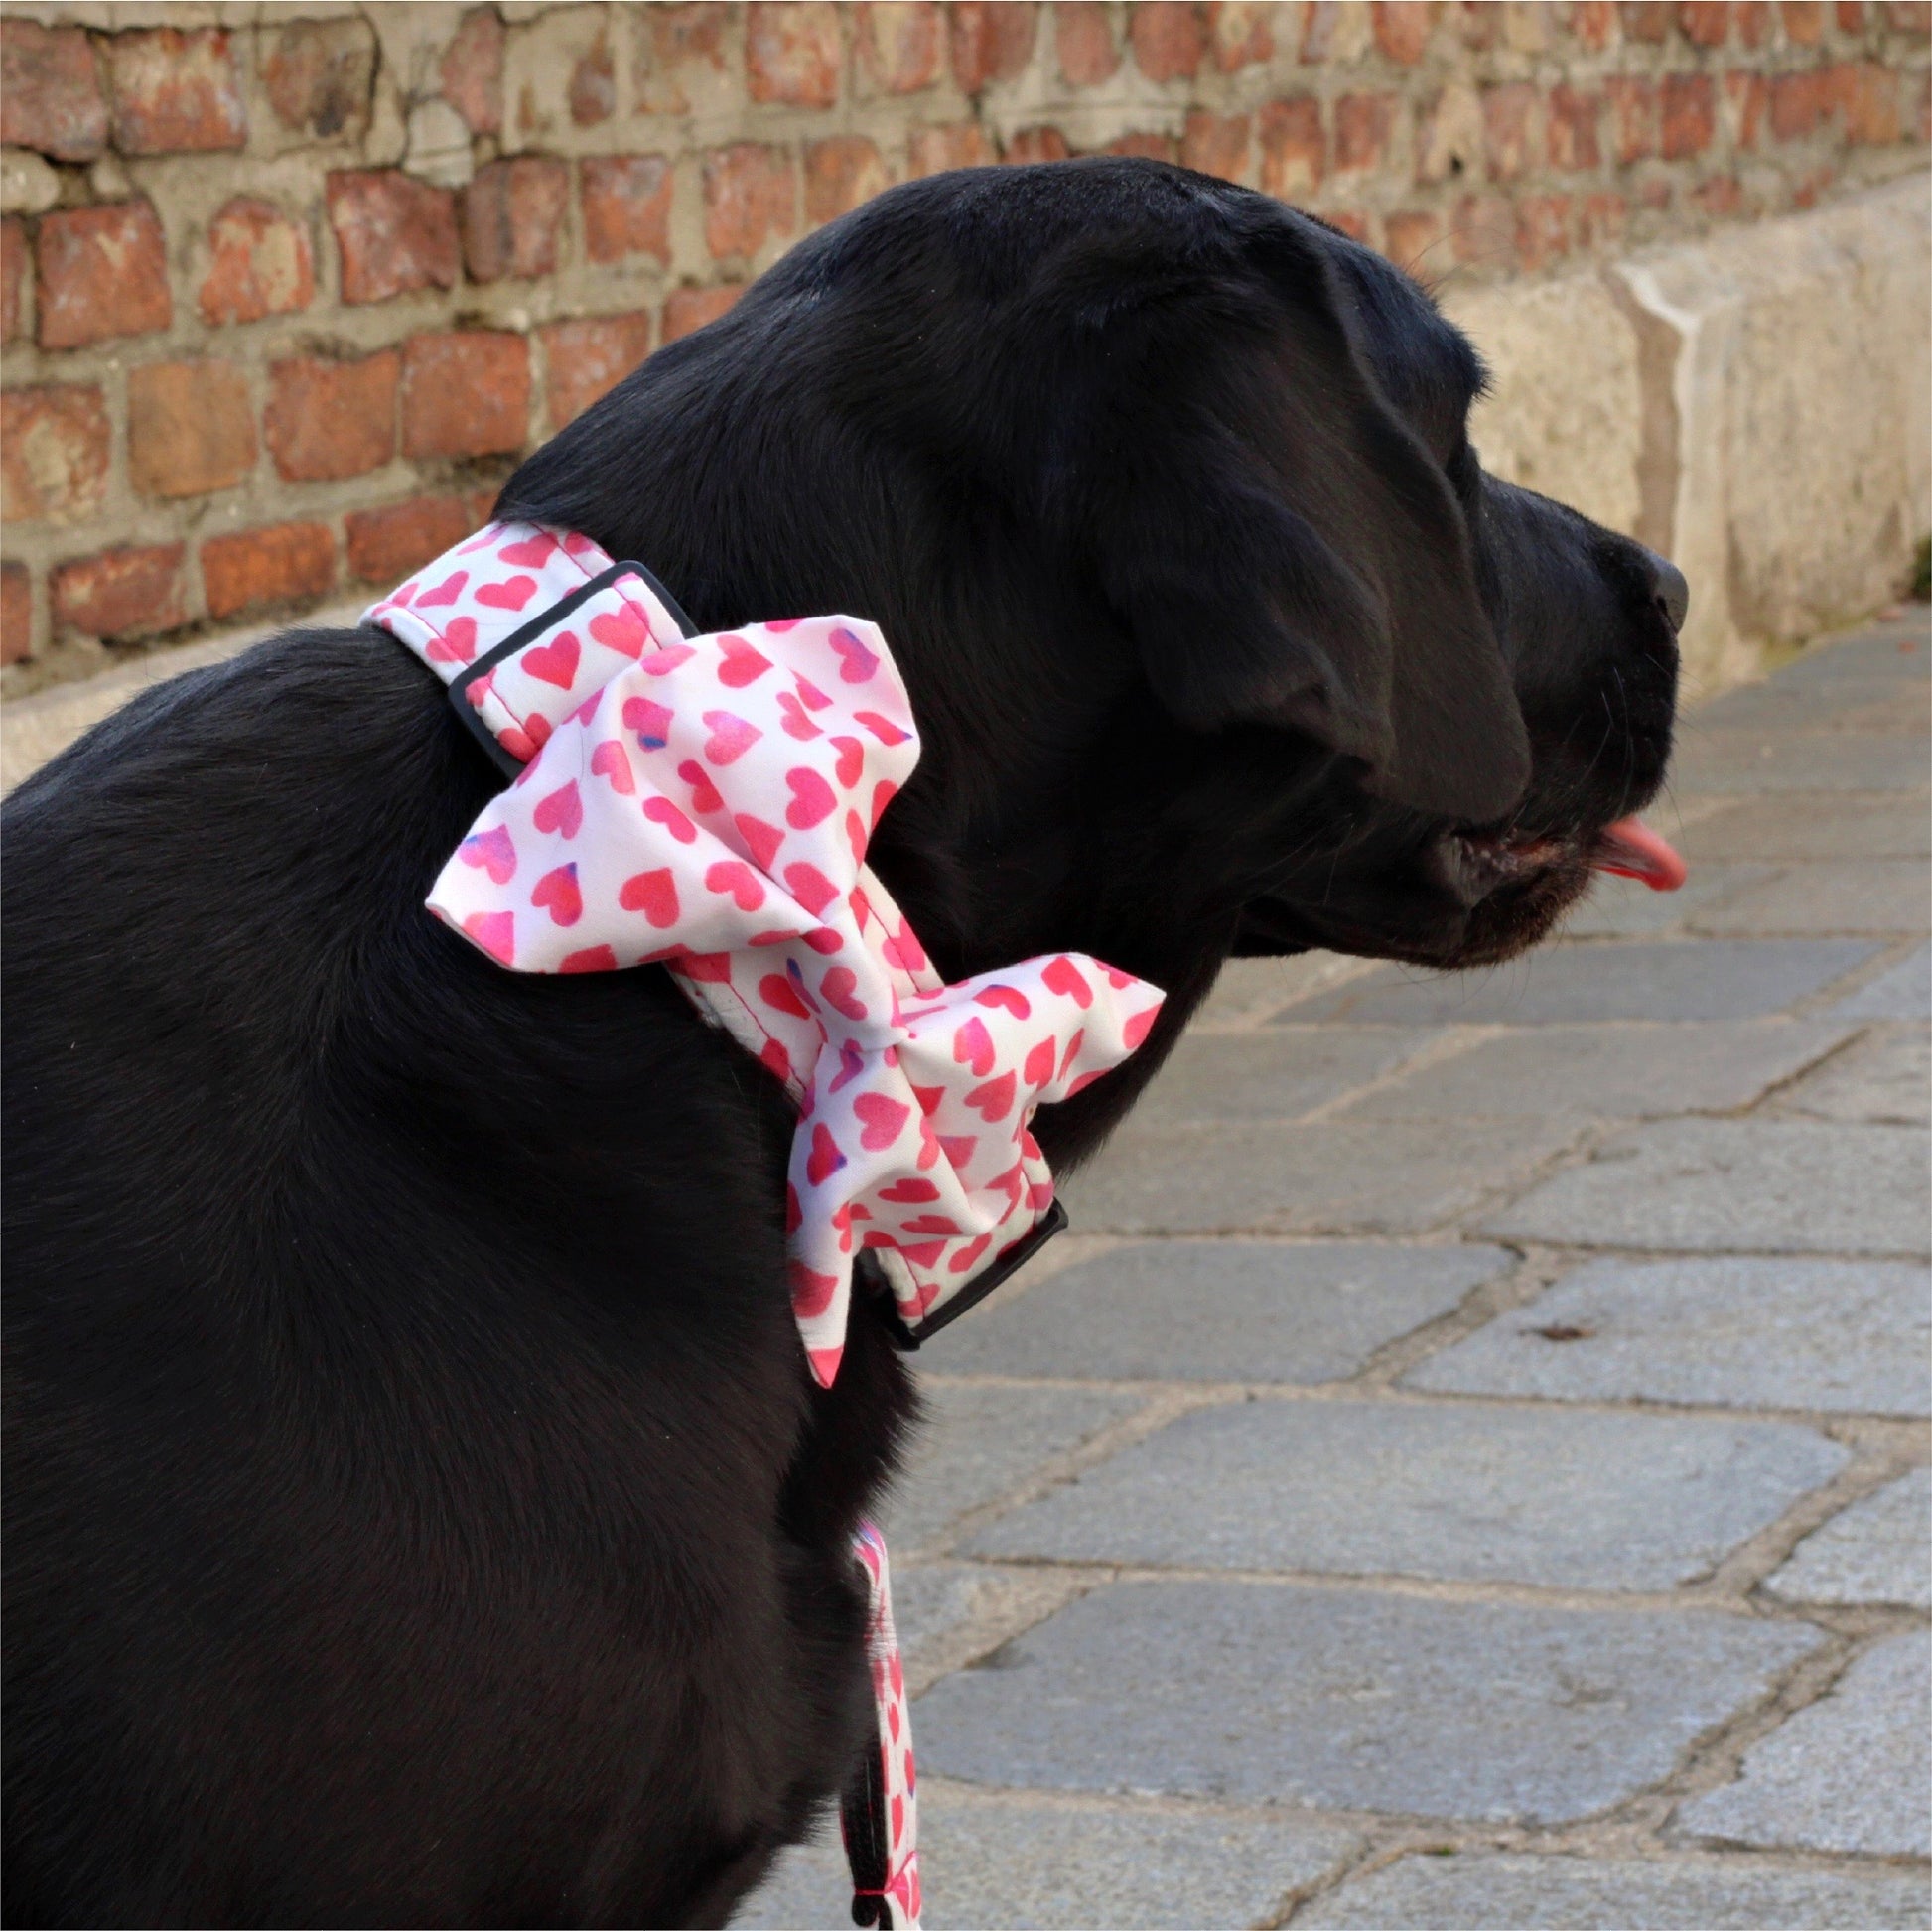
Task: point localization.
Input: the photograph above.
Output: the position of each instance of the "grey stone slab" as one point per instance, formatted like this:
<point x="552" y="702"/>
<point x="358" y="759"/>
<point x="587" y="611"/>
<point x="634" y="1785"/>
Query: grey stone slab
<point x="1852" y="1771"/>
<point x="1396" y="1177"/>
<point x="1893" y="649"/>
<point x="1880" y="894"/>
<point x="1710" y="979"/>
<point x="1836" y="826"/>
<point x="980" y="1442"/>
<point x="1628" y="1072"/>
<point x="1350" y="1699"/>
<point x="1878" y="1550"/>
<point x="1461" y="1492"/>
<point x="1736" y="759"/>
<point x="1902" y="993"/>
<point x="1847" y="1337"/>
<point x="1219" y="1311"/>
<point x="1885" y="1077"/>
<point x="1272" y="1074"/>
<point x="1558" y="1893"/>
<point x="1248" y="990"/>
<point x="1751" y="1184"/>
<point x="1618" y="908"/>
<point x="1030" y="1861"/>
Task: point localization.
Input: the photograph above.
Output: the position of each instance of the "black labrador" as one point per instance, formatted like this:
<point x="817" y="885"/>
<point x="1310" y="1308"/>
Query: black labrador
<point x="386" y="1546"/>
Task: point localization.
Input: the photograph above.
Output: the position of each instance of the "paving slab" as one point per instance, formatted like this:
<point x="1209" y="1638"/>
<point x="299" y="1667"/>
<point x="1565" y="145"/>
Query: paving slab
<point x="1841" y="825"/>
<point x="1558" y="1893"/>
<point x="1350" y="1699"/>
<point x="1737" y="758"/>
<point x="979" y="1443"/>
<point x="1850" y="1772"/>
<point x="1731" y="1332"/>
<point x="1902" y="993"/>
<point x="1219" y="1311"/>
<point x="1017" y="1862"/>
<point x="1272" y="1073"/>
<point x="1750" y="1185"/>
<point x="1395" y="1176"/>
<point x="1885" y="1077"/>
<point x="1619" y="908"/>
<point x="1893" y="649"/>
<point x="1465" y="1491"/>
<point x="1706" y="979"/>
<point x="1628" y="1072"/>
<point x="1878" y="1551"/>
<point x="1248" y="990"/>
<point x="1879" y="895"/>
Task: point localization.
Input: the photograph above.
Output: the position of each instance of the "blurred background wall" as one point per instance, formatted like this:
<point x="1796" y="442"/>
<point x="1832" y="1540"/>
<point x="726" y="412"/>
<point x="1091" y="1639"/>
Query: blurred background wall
<point x="286" y="289"/>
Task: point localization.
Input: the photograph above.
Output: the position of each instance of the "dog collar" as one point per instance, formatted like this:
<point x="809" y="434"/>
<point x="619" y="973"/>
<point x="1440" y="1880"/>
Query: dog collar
<point x="705" y="804"/>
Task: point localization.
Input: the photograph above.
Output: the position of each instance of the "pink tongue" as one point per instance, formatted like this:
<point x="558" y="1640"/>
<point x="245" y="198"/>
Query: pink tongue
<point x="1632" y="850"/>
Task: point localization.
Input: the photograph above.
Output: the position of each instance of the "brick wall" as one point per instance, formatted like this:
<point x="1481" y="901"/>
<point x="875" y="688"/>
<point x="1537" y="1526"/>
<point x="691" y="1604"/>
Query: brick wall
<point x="285" y="290"/>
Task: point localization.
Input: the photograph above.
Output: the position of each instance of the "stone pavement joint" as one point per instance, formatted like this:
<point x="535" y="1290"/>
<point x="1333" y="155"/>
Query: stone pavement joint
<point x="1469" y="1466"/>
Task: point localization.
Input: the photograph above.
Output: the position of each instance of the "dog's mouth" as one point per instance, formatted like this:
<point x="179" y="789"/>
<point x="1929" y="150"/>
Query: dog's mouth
<point x="1484" y="863"/>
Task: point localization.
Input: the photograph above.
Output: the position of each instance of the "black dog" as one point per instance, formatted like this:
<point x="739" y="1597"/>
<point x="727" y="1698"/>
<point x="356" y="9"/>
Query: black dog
<point x="386" y="1548"/>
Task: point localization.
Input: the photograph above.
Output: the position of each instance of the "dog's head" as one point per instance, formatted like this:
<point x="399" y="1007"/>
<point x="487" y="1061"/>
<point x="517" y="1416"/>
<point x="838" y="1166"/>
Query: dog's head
<point x="1220" y="636"/>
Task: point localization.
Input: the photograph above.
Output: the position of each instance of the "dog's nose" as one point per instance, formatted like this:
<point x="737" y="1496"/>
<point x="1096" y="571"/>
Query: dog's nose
<point x="1668" y="590"/>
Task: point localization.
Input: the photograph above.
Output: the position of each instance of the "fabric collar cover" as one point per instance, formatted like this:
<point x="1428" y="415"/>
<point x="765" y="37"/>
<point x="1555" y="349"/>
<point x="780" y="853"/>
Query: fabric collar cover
<point x="705" y="804"/>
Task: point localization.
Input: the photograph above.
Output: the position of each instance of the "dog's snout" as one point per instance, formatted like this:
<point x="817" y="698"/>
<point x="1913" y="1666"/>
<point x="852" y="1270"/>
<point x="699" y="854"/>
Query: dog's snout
<point x="1668" y="590"/>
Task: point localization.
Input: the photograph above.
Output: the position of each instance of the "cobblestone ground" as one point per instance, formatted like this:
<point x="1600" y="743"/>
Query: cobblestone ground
<point x="1470" y="1468"/>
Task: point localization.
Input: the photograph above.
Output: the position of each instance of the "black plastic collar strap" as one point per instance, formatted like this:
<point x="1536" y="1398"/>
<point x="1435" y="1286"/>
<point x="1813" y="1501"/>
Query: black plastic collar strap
<point x="1051" y="1222"/>
<point x="546" y="620"/>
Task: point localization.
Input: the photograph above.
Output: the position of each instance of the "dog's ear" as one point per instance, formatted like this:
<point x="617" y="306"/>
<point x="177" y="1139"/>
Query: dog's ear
<point x="1285" y="550"/>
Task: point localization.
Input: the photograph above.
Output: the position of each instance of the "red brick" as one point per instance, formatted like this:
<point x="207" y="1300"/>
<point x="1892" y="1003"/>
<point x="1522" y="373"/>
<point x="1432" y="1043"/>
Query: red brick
<point x="1485" y="230"/>
<point x="1572" y="128"/>
<point x="472" y="71"/>
<point x="1147" y="146"/>
<point x="1593" y="22"/>
<point x="386" y="545"/>
<point x="396" y="233"/>
<point x="626" y="202"/>
<point x="1216" y="144"/>
<point x="1797" y="104"/>
<point x="1601" y="220"/>
<point x="586" y="358"/>
<point x="1363" y="125"/>
<point x="464" y="392"/>
<point x="1804" y="22"/>
<point x="1646" y="20"/>
<point x="1748" y="95"/>
<point x="1350" y="221"/>
<point x="284" y="563"/>
<point x="190" y="428"/>
<point x="748" y="195"/>
<point x="1542" y="229"/>
<point x="592" y="93"/>
<point x="793" y="52"/>
<point x="510" y="214"/>
<point x="15" y="278"/>
<point x="1721" y="196"/>
<point x="1167" y="39"/>
<point x="935" y="150"/>
<point x="992" y="40"/>
<point x="1850" y="16"/>
<point x="1409" y="237"/>
<point x="121" y="594"/>
<point x="840" y="174"/>
<point x="1868" y="95"/>
<point x="1402" y="29"/>
<point x="1083" y="41"/>
<point x="1036" y="144"/>
<point x="54" y="443"/>
<point x="317" y="77"/>
<point x="1706" y="23"/>
<point x="899" y="44"/>
<point x="15" y="612"/>
<point x="1479" y="21"/>
<point x="1919" y="87"/>
<point x="1242" y="33"/>
<point x="50" y="93"/>
<point x="259" y="264"/>
<point x="328" y="420"/>
<point x="1509" y="126"/>
<point x="689" y="309"/>
<point x="1811" y="187"/>
<point x="103" y="272"/>
<point x="678" y="47"/>
<point x="176" y="92"/>
<point x="1293" y="154"/>
<point x="1912" y="17"/>
<point x="1321" y="21"/>
<point x="1690" y="115"/>
<point x="1634" y="108"/>
<point x="1752" y="19"/>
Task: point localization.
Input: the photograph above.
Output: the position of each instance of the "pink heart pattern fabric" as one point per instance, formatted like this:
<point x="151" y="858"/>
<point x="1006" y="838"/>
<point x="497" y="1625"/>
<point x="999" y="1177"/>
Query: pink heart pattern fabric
<point x="705" y="804"/>
<point x="893" y="1893"/>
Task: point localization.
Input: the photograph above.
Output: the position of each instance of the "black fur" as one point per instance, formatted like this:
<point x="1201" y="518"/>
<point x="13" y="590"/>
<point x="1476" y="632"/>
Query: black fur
<point x="389" y="1545"/>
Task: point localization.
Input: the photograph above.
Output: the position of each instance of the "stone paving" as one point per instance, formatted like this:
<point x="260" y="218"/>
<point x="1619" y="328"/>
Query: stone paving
<point x="1469" y="1466"/>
